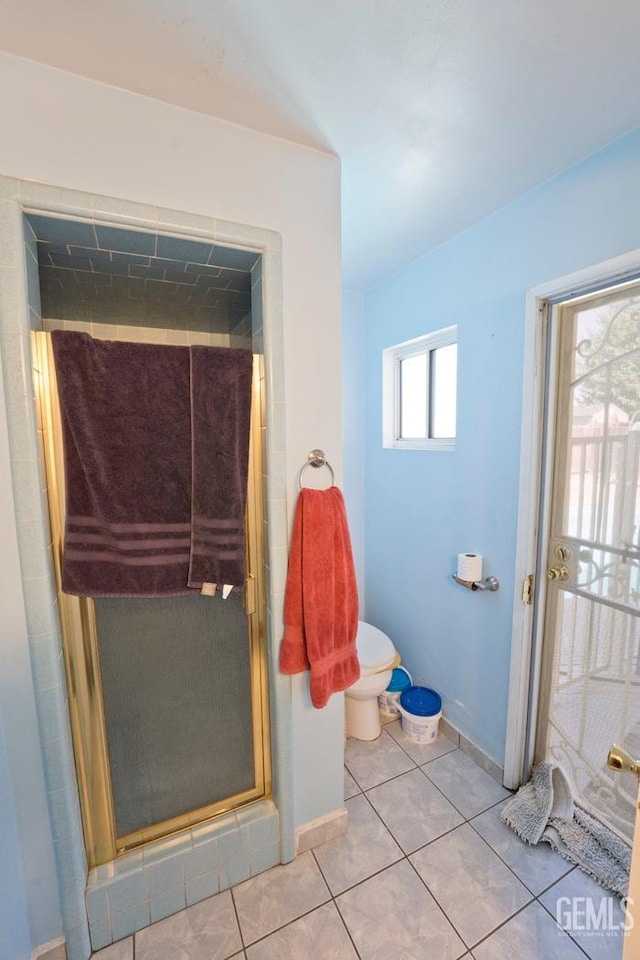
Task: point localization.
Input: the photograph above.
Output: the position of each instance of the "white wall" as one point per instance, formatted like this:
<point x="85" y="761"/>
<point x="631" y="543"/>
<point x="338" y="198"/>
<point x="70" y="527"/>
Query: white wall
<point x="63" y="130"/>
<point x="353" y="341"/>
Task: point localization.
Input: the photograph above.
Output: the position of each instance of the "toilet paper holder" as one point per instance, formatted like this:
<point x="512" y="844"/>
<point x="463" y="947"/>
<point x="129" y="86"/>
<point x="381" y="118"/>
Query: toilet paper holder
<point x="488" y="583"/>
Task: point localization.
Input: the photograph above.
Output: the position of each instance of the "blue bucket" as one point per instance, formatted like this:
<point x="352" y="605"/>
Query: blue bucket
<point x="421" y="709"/>
<point x="389" y="701"/>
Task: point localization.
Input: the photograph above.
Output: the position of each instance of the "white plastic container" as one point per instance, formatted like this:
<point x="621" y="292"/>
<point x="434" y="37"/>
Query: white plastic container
<point x="421" y="709"/>
<point x="389" y="700"/>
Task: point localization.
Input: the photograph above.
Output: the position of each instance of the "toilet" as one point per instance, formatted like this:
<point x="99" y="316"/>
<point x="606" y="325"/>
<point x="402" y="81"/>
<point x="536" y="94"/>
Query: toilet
<point x="377" y="657"/>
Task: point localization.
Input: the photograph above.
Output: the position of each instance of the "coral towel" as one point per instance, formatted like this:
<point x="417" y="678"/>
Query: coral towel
<point x="321" y="597"/>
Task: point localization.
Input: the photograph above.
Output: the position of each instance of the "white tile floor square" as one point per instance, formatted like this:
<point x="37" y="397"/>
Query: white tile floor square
<point x="426" y="869"/>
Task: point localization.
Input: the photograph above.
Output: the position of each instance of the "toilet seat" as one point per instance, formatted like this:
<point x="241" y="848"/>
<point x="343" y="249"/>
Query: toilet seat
<point x="375" y="649"/>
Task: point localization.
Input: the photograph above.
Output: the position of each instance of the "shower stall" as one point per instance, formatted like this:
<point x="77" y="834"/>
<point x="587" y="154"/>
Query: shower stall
<point x="176" y="781"/>
<point x="168" y="696"/>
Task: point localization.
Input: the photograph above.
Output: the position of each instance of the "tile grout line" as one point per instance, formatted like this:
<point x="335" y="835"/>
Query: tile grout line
<point x="520" y="910"/>
<point x="416" y="766"/>
<point x="534" y="898"/>
<point x="336" y="905"/>
<point x="544" y="907"/>
<point x="507" y="865"/>
<point x="439" y="906"/>
<point x="432" y="892"/>
<point x="422" y="847"/>
<point x="407" y="856"/>
<point x="421" y="767"/>
<point x="284" y="926"/>
<point x="333" y="898"/>
<point x="237" y="916"/>
<point x="348" y="932"/>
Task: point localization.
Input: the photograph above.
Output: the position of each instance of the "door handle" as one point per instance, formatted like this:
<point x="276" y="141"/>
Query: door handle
<point x="561" y="572"/>
<point x="618" y="759"/>
<point x="250" y="594"/>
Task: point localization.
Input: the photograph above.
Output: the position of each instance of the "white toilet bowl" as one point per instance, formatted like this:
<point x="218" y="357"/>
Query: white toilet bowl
<point x="376" y="654"/>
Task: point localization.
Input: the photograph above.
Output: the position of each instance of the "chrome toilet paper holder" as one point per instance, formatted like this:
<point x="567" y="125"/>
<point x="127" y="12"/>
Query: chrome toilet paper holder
<point x="488" y="583"/>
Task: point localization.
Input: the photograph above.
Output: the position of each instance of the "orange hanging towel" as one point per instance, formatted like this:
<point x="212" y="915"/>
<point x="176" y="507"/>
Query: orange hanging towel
<point x="321" y="597"/>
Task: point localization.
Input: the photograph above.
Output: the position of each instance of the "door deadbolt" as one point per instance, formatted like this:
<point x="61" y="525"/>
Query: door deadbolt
<point x="561" y="572"/>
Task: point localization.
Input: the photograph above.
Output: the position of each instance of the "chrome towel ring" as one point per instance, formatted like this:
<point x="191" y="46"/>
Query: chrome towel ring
<point x="317" y="458"/>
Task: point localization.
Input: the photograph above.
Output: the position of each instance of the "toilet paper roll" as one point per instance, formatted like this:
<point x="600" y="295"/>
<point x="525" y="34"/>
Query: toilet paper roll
<point x="470" y="566"/>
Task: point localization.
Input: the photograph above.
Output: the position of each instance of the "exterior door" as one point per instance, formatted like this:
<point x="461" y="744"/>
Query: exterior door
<point x="590" y="680"/>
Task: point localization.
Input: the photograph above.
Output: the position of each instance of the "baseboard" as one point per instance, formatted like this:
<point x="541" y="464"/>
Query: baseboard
<point x="318" y="831"/>
<point x="54" y="950"/>
<point x="449" y="731"/>
<point x="491" y="766"/>
<point x="488" y="764"/>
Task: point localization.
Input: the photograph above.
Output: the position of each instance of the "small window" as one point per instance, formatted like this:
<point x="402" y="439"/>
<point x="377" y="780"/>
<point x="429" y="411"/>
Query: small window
<point x="419" y="392"/>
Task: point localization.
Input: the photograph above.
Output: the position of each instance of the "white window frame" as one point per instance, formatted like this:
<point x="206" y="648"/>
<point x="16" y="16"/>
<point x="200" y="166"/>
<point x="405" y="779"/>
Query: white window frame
<point x="391" y="360"/>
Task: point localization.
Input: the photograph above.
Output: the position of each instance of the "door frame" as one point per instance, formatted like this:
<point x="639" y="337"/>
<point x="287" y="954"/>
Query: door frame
<point x="533" y="526"/>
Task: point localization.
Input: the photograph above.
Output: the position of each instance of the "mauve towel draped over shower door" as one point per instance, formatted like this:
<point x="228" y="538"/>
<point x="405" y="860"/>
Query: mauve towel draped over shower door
<point x="220" y="449"/>
<point x="148" y="477"/>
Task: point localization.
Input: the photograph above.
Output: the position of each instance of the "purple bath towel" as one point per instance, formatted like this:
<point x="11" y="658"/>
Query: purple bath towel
<point x="127" y="429"/>
<point x="220" y="420"/>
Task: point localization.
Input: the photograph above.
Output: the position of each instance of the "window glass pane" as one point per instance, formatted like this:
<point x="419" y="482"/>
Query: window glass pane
<point x="443" y="391"/>
<point x="413" y="397"/>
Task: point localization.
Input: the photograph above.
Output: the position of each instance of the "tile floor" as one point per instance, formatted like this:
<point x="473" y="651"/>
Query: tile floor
<point x="426" y="870"/>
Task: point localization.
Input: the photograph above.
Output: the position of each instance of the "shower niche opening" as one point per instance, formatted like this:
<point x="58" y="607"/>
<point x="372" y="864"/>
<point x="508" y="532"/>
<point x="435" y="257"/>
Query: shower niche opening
<point x="168" y="696"/>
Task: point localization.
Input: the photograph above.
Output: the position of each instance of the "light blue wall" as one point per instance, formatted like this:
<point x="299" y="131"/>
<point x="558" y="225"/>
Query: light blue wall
<point x="352" y="429"/>
<point x="29" y="902"/>
<point x="423" y="508"/>
<point x="14" y="926"/>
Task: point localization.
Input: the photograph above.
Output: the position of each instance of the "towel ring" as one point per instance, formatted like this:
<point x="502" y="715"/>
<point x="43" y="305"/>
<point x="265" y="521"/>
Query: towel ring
<point x="317" y="458"/>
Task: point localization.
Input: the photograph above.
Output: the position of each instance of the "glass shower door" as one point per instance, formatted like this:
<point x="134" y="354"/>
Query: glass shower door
<point x="168" y="697"/>
<point x="176" y="688"/>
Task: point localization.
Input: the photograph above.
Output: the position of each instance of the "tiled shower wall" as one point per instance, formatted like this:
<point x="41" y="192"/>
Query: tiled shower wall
<point x="135" y="334"/>
<point x="142" y="886"/>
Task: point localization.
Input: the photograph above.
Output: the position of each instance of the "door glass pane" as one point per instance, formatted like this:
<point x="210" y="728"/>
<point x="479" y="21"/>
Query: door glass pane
<point x="592" y="624"/>
<point x="444" y="374"/>
<point x="413" y="397"/>
<point x="176" y="679"/>
<point x="602" y="509"/>
<point x="595" y="702"/>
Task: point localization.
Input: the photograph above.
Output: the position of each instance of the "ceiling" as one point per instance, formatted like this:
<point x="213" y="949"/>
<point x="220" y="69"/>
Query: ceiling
<point x="93" y="272"/>
<point x="440" y="110"/>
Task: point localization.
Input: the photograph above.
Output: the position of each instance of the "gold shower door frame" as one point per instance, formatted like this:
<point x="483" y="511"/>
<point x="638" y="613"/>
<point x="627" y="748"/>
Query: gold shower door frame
<point x="80" y="641"/>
